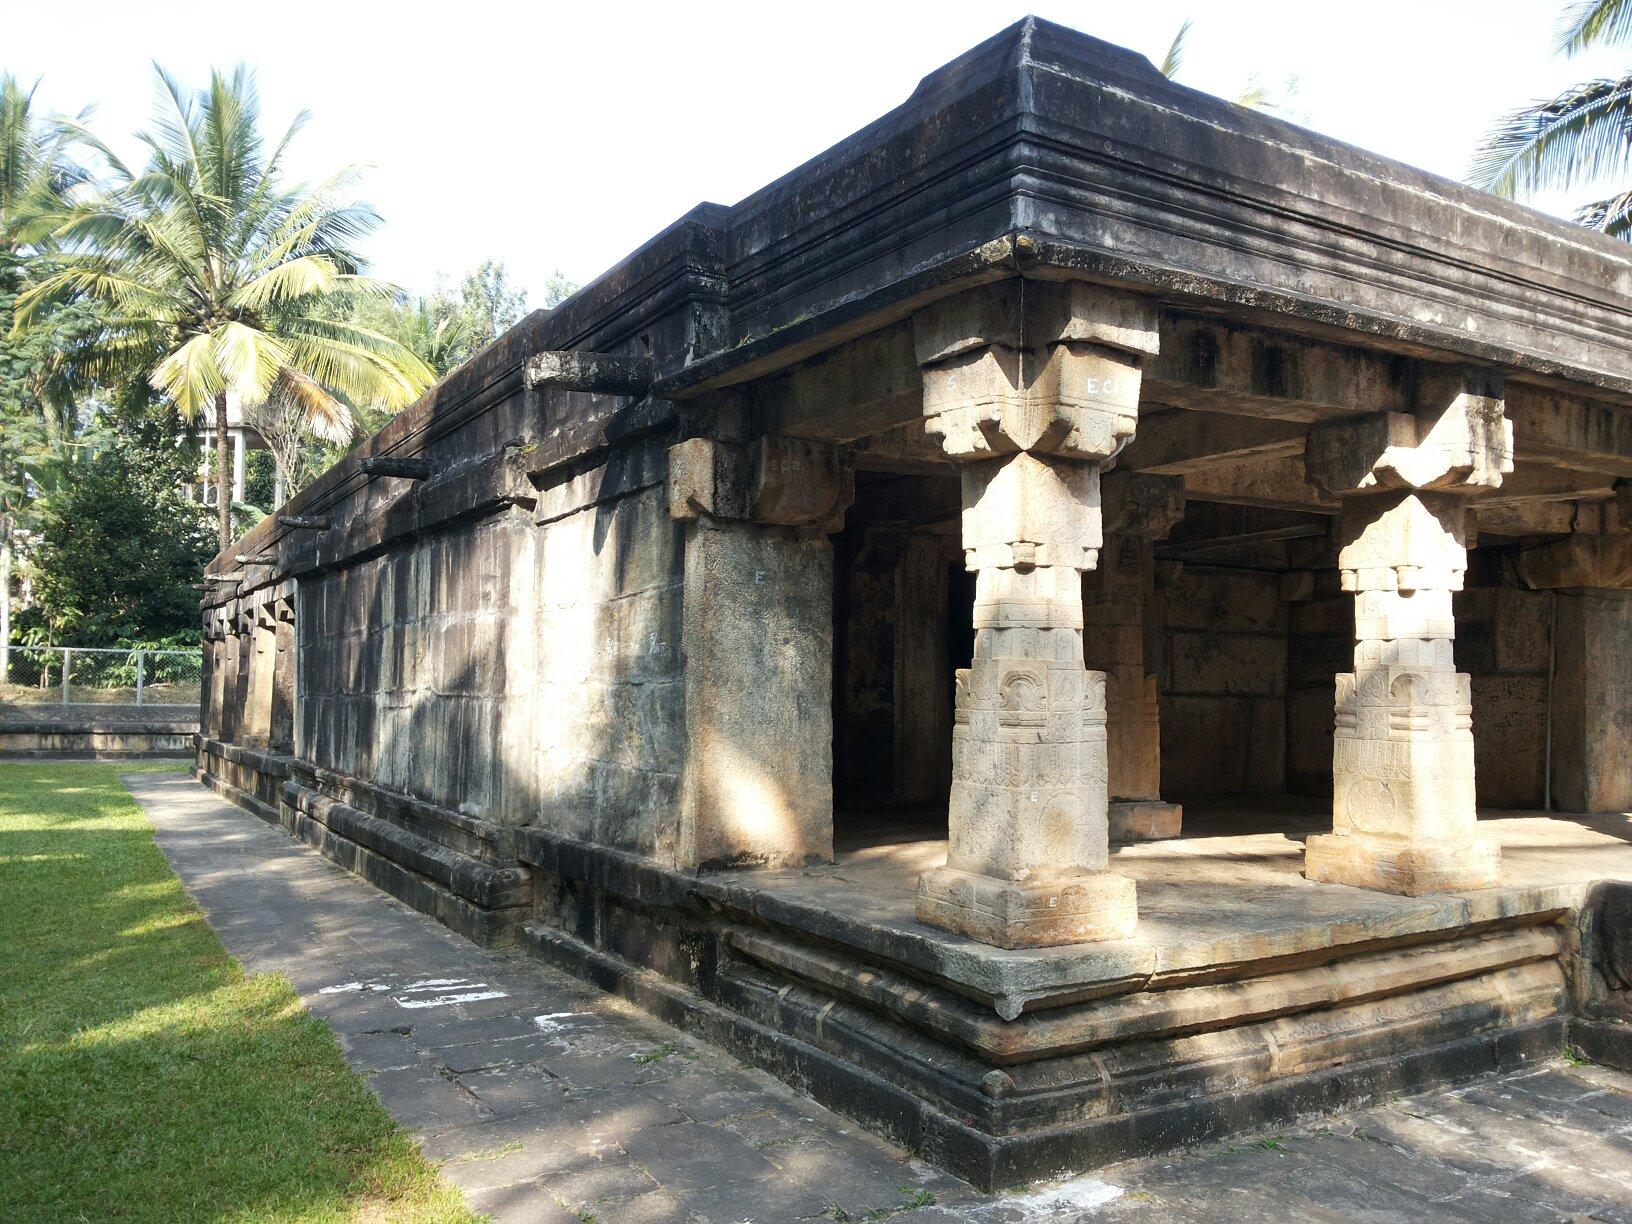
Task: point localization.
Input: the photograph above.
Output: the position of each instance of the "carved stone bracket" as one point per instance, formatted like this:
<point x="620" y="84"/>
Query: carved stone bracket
<point x="790" y="482"/>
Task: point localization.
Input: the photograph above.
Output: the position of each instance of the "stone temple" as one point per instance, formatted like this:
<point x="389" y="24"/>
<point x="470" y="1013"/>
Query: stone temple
<point x="1073" y="622"/>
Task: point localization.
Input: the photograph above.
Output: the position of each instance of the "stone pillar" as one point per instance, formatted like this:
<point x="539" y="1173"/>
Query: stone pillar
<point x="210" y="677"/>
<point x="1030" y="388"/>
<point x="1403" y="808"/>
<point x="757" y="637"/>
<point x="1591" y="577"/>
<point x="283" y="677"/>
<point x="1117" y="598"/>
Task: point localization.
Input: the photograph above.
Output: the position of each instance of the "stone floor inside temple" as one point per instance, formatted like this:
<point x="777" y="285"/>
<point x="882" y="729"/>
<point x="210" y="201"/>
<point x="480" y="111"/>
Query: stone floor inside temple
<point x="1229" y="892"/>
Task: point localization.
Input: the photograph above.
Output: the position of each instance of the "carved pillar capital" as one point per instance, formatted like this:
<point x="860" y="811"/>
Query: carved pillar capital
<point x="1021" y="366"/>
<point x="1457" y="438"/>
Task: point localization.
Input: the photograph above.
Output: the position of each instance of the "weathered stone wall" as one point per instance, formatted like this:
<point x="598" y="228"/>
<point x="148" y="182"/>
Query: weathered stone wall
<point x="509" y="671"/>
<point x="402" y="665"/>
<point x="1592" y="702"/>
<point x="1320" y="643"/>
<point x="600" y="705"/>
<point x="1223" y="691"/>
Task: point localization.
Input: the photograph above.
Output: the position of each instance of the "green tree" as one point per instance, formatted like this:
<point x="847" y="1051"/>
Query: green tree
<point x="1580" y="138"/>
<point x="214" y="272"/>
<point x="38" y="173"/>
<point x="121" y="544"/>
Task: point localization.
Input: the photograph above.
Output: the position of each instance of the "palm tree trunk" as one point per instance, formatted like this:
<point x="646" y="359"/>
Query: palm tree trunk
<point x="223" y="482"/>
<point x="5" y="602"/>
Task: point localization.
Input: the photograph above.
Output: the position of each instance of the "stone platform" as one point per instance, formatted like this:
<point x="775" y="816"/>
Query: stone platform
<point x="542" y="1121"/>
<point x="1247" y="995"/>
<point x="1222" y="901"/>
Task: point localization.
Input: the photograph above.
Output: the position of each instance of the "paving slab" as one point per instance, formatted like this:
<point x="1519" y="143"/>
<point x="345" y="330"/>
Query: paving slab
<point x="543" y="1100"/>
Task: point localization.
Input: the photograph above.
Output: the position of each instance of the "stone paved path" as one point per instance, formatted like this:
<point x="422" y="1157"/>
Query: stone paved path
<point x="548" y="1101"/>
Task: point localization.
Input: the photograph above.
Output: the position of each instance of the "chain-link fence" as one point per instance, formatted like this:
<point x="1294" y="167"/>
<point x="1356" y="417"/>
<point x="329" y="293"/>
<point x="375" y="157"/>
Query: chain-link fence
<point x="86" y="679"/>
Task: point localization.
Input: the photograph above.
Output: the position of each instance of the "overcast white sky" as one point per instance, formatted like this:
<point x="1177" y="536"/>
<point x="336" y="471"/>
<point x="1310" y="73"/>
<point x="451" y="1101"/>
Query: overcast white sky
<point x="555" y="135"/>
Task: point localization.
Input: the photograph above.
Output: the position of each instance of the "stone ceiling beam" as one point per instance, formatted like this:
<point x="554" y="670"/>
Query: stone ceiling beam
<point x="1178" y="441"/>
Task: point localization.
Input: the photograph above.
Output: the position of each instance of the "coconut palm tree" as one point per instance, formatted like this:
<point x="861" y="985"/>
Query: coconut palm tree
<point x="1582" y="136"/>
<point x="214" y="273"/>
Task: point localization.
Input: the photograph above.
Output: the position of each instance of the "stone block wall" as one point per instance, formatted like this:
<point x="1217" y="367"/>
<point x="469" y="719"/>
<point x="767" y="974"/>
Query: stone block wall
<point x="508" y="670"/>
<point x="1224" y="683"/>
<point x="1501" y="642"/>
<point x="1320" y="643"/>
<point x="598" y="708"/>
<point x="402" y="664"/>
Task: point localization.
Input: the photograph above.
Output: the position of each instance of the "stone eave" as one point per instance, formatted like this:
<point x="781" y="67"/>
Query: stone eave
<point x="1043" y="152"/>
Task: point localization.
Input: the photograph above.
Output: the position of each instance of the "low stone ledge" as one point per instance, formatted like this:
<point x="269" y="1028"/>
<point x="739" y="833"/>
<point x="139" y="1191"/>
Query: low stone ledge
<point x="459" y="831"/>
<point x="488" y="927"/>
<point x="263" y="760"/>
<point x="94" y="739"/>
<point x="480" y="883"/>
<point x="1145" y="1015"/>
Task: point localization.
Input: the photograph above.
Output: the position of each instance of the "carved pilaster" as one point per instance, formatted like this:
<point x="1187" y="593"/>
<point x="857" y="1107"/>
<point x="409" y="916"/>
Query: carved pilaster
<point x="1030" y="389"/>
<point x="1403" y="810"/>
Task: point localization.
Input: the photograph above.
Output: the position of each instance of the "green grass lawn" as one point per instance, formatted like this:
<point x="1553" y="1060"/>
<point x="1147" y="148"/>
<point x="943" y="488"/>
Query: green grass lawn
<point x="142" y="1074"/>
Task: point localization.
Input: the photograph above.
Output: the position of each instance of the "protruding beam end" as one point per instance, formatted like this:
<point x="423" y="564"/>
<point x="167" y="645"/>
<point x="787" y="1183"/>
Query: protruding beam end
<point x="607" y="373"/>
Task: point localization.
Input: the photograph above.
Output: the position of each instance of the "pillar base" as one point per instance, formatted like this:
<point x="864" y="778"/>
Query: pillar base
<point x="1398" y="866"/>
<point x="1081" y="908"/>
<point x="1137" y="820"/>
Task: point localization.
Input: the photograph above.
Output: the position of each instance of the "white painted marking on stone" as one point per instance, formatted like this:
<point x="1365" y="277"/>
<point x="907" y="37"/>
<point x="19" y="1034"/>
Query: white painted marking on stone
<point x="440" y="983"/>
<point x="472" y="996"/>
<point x="352" y="988"/>
<point x="1066" y="1201"/>
<point x="552" y="1022"/>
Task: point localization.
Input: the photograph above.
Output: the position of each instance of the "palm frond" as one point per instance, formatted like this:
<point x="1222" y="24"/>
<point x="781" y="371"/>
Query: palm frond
<point x="249" y="359"/>
<point x="189" y="376"/>
<point x="320" y="413"/>
<point x="304" y="276"/>
<point x="1174" y="59"/>
<point x="1594" y="23"/>
<point x="1613" y="216"/>
<point x="1580" y="135"/>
